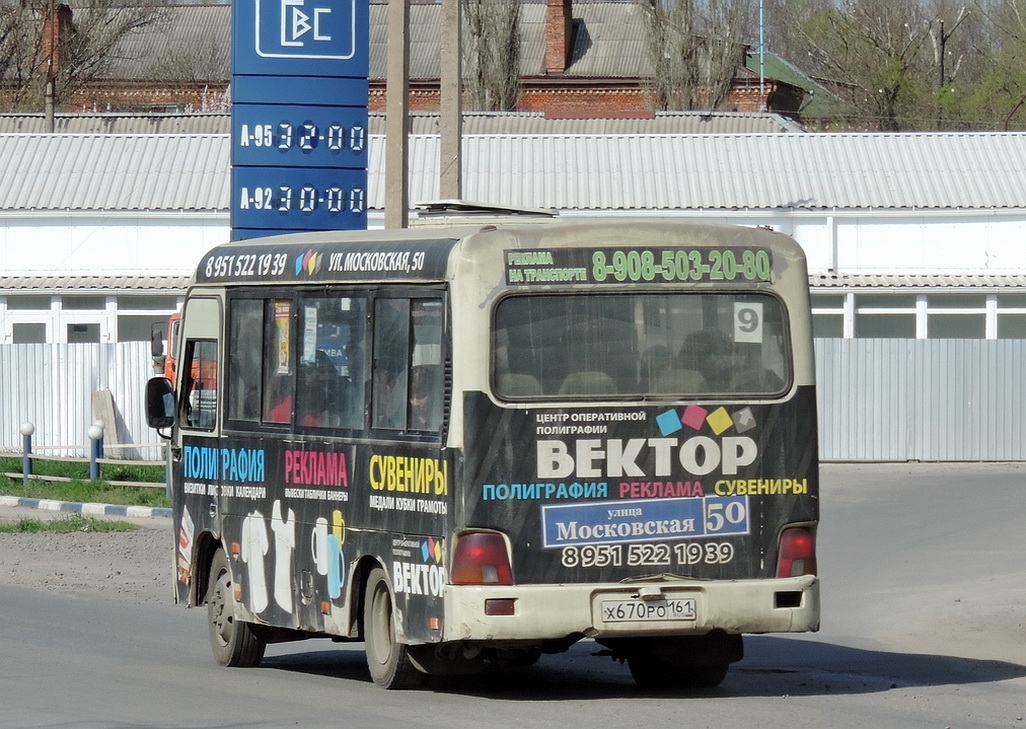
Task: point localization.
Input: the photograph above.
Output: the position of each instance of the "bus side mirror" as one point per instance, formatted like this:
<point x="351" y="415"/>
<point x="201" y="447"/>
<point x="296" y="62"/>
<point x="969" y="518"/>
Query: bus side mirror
<point x="160" y="403"/>
<point x="156" y="344"/>
<point x="157" y="351"/>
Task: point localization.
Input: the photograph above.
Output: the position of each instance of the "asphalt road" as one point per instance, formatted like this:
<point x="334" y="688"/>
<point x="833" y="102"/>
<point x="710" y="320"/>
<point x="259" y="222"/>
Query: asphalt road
<point x="924" y="625"/>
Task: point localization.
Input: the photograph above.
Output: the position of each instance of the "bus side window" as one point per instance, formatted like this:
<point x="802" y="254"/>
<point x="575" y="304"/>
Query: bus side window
<point x="199" y="391"/>
<point x="408" y="392"/>
<point x="244" y="364"/>
<point x="279" y="373"/>
<point x="427" y="371"/>
<point x="331" y="387"/>
<point x="391" y="360"/>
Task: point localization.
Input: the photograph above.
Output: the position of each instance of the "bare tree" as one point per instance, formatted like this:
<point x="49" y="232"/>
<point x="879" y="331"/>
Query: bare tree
<point x="695" y="48"/>
<point x="192" y="65"/>
<point x="34" y="49"/>
<point x="899" y="64"/>
<point x="948" y="64"/>
<point x="20" y="48"/>
<point x="1001" y="94"/>
<point x="878" y="50"/>
<point x="492" y="54"/>
<point x="782" y="19"/>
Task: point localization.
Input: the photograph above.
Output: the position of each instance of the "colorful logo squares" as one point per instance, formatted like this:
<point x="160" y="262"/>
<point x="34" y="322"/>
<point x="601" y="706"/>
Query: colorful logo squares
<point x="431" y="550"/>
<point x="696" y="417"/>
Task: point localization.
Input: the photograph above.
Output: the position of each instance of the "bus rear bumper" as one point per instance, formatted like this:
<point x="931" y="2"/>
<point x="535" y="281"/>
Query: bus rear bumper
<point x="645" y="608"/>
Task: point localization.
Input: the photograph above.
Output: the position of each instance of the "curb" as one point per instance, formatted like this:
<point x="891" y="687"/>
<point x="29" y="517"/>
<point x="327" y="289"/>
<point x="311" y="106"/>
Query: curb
<point x="75" y="507"/>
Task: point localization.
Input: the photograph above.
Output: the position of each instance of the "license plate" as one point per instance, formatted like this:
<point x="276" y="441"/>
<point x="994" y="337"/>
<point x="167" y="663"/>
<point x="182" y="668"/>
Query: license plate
<point x="632" y="611"/>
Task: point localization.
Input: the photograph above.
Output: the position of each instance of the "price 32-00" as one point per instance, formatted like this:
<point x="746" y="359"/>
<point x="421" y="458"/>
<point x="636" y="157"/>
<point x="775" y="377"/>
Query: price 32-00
<point x="305" y="137"/>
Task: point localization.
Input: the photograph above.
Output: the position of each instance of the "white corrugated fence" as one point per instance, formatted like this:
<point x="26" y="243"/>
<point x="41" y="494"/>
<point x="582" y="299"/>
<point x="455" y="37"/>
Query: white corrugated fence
<point x="52" y="386"/>
<point x="921" y="399"/>
<point x="879" y="399"/>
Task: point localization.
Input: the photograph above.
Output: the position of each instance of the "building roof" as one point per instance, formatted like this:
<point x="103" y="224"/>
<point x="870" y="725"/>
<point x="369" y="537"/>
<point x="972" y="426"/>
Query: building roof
<point x="610" y="39"/>
<point x="754" y="171"/>
<point x="845" y="282"/>
<point x="183" y="44"/>
<point x="819" y="101"/>
<point x="638" y="172"/>
<point x="192" y="42"/>
<point x="822" y="282"/>
<point x="114" y="172"/>
<point x="117" y="123"/>
<point x="66" y="284"/>
<point x="422" y="122"/>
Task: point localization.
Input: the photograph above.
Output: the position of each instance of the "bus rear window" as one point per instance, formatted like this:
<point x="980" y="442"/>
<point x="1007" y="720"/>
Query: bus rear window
<point x="590" y="346"/>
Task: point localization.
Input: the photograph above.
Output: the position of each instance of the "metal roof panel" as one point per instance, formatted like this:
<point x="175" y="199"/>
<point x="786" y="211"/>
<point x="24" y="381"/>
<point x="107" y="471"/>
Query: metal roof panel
<point x="42" y="284"/>
<point x="114" y="172"/>
<point x="421" y="122"/>
<point x="569" y="171"/>
<point x="859" y="281"/>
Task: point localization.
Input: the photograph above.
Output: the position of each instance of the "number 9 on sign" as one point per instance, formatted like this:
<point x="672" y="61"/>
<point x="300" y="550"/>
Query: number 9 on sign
<point x="747" y="321"/>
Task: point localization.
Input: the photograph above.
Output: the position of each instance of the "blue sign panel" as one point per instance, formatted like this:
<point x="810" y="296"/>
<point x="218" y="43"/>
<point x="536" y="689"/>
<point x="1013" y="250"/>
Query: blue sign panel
<point x="279" y="199"/>
<point x="299" y="115"/>
<point x="285" y="135"/>
<point x="652" y="520"/>
<point x="301" y="37"/>
<point x="323" y="90"/>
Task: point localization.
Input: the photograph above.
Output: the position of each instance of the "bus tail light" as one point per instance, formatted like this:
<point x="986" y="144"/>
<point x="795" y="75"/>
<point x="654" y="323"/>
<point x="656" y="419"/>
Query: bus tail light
<point x="481" y="558"/>
<point x="797" y="554"/>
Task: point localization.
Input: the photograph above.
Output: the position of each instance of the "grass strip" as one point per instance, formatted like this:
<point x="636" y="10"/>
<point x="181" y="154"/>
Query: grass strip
<point x="86" y="492"/>
<point x="66" y="525"/>
<point x="108" y="471"/>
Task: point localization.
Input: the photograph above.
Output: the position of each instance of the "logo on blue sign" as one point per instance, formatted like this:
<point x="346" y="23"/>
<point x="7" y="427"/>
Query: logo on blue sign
<point x="306" y="29"/>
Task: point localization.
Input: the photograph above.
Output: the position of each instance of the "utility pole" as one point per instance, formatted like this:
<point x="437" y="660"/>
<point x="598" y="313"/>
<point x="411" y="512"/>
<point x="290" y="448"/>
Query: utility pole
<point x="397" y="116"/>
<point x="49" y="123"/>
<point x="450" y="177"/>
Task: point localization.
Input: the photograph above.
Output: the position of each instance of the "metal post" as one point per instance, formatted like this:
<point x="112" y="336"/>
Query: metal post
<point x="762" y="61"/>
<point x="27" y="429"/>
<point x="96" y="450"/>
<point x="103" y="431"/>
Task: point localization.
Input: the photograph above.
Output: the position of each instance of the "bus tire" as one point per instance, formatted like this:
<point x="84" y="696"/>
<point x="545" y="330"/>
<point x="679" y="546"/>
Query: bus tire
<point x="654" y="673"/>
<point x="693" y="662"/>
<point x="387" y="659"/>
<point x="233" y="641"/>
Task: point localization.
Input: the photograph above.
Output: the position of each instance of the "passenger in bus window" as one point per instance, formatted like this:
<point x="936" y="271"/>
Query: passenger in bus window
<point x="662" y="375"/>
<point x="321" y="390"/>
<point x="354" y="387"/>
<point x="708" y="352"/>
<point x="425" y="397"/>
<point x="389" y="393"/>
<point x="751" y="376"/>
<point x="280" y="401"/>
<point x="391" y="359"/>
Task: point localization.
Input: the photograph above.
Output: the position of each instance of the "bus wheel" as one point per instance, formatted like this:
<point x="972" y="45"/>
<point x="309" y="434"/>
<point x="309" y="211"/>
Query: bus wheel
<point x="388" y="660"/>
<point x="233" y="641"/>
<point x="651" y="672"/>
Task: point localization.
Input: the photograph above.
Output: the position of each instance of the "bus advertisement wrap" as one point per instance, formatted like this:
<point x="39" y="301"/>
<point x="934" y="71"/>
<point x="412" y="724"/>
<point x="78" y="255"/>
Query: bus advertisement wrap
<point x="290" y="505"/>
<point x="399" y="260"/>
<point x="602" y="492"/>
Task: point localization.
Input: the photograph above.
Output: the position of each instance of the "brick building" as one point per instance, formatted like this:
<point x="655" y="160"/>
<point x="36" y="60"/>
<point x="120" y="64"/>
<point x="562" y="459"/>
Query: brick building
<point x="578" y="58"/>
